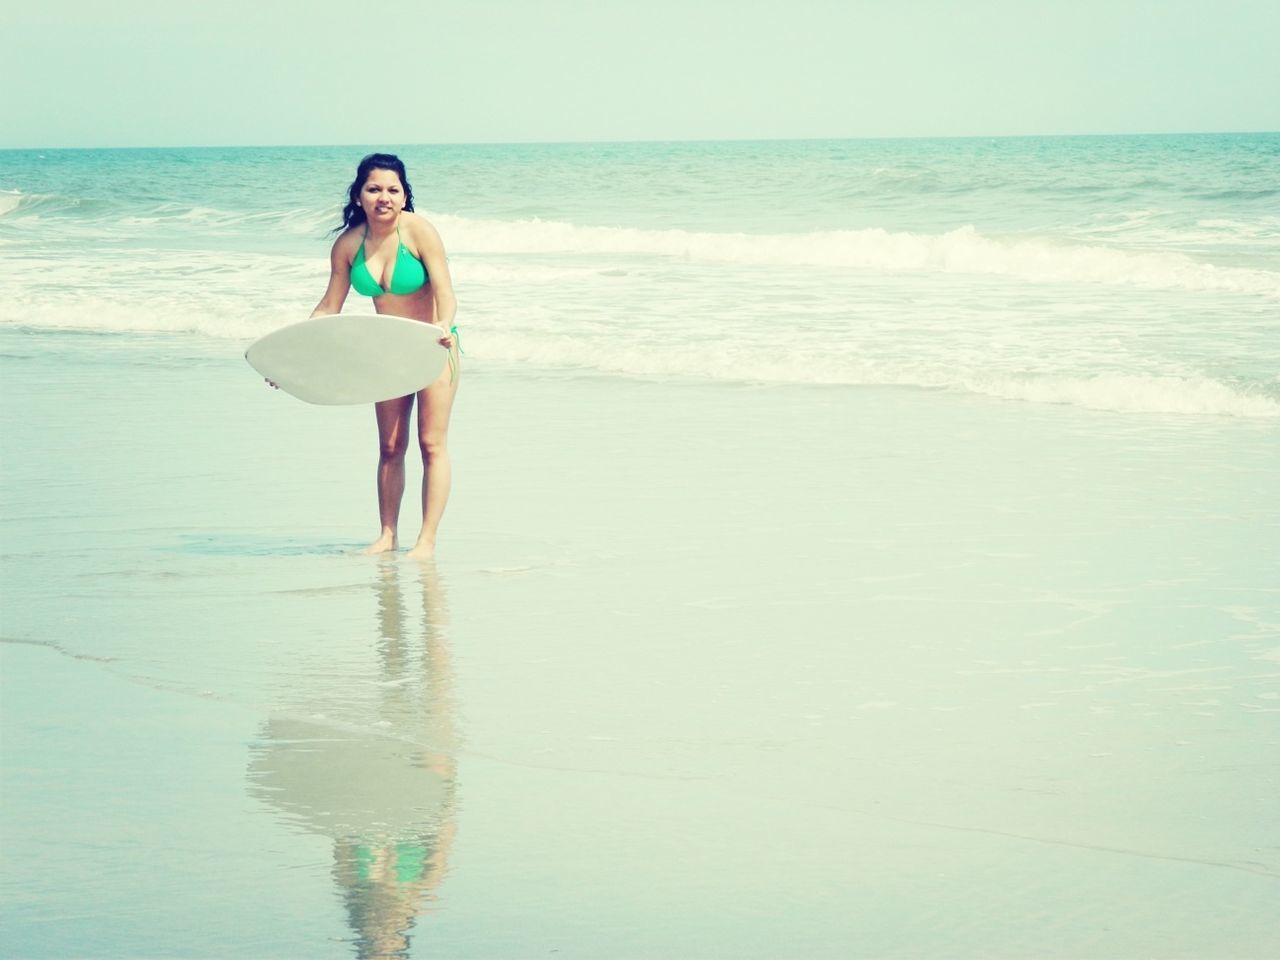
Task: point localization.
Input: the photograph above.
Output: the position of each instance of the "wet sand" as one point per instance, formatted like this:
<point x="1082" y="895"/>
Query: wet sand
<point x="700" y="671"/>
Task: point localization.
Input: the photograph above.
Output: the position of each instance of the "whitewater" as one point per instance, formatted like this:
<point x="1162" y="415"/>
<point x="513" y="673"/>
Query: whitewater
<point x="1130" y="274"/>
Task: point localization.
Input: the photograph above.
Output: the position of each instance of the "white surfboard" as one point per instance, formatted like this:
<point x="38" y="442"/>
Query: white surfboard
<point x="351" y="357"/>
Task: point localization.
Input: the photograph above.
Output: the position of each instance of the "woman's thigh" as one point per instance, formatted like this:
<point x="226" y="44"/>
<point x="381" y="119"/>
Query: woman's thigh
<point x="435" y="406"/>
<point x="393" y="424"/>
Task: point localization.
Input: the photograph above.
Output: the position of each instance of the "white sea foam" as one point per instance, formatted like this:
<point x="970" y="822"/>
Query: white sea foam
<point x="536" y="343"/>
<point x="1131" y="394"/>
<point x="176" y="313"/>
<point x="963" y="250"/>
<point x="747" y="363"/>
<point x="574" y="315"/>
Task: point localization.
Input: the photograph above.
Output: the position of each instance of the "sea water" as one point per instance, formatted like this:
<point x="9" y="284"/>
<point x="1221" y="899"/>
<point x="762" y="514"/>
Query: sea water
<point x="856" y="549"/>
<point x="1133" y="274"/>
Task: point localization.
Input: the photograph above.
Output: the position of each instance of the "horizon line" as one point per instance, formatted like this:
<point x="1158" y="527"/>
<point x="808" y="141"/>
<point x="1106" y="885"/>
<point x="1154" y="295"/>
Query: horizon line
<point x="647" y="140"/>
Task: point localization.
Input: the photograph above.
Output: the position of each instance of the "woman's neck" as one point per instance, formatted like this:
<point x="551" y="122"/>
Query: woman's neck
<point x="380" y="231"/>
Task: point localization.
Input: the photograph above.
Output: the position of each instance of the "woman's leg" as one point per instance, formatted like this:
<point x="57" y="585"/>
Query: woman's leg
<point x="435" y="404"/>
<point x="393" y="441"/>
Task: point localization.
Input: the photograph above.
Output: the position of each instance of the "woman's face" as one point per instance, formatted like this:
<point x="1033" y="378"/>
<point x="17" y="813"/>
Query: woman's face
<point x="382" y="196"/>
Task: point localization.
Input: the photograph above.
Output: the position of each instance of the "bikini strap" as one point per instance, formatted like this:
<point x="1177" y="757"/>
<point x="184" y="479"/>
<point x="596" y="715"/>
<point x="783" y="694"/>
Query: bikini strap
<point x="453" y="361"/>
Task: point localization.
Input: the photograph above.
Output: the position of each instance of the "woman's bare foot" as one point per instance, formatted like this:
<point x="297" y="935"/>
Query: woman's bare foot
<point x="384" y="544"/>
<point x="422" y="550"/>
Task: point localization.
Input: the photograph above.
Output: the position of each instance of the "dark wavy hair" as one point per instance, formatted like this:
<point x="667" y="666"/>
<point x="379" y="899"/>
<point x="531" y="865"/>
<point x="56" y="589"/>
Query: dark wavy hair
<point x="353" y="213"/>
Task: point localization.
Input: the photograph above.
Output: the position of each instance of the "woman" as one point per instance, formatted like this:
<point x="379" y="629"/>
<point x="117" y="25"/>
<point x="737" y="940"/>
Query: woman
<point x="388" y="252"/>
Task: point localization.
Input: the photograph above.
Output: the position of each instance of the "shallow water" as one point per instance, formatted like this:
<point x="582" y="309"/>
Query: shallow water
<point x="703" y="670"/>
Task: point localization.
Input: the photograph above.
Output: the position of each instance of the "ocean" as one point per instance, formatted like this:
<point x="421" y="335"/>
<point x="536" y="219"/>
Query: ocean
<point x="855" y="549"/>
<point x="1133" y="274"/>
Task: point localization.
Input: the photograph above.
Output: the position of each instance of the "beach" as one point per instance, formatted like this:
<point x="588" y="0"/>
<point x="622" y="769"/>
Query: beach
<point x="702" y="669"/>
<point x="857" y="548"/>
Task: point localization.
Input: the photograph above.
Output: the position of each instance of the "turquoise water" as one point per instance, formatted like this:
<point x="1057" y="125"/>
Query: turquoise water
<point x="1133" y="274"/>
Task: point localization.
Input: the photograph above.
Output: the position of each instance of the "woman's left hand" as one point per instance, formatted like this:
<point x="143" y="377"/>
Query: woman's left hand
<point x="446" y="341"/>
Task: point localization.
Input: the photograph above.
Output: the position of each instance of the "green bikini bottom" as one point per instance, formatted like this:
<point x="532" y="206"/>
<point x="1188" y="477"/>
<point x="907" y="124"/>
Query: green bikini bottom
<point x="411" y="861"/>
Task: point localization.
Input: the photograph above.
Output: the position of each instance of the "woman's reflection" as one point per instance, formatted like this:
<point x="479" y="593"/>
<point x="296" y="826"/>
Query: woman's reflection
<point x="378" y="776"/>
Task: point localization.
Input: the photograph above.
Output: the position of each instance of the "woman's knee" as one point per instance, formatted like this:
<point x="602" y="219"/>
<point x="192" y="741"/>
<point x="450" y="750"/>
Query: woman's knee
<point x="432" y="445"/>
<point x="393" y="448"/>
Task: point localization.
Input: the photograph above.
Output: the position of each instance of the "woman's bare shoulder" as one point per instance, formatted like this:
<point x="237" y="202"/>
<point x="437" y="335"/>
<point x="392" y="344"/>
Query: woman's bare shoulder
<point x="344" y="247"/>
<point x="422" y="229"/>
<point x="349" y="237"/>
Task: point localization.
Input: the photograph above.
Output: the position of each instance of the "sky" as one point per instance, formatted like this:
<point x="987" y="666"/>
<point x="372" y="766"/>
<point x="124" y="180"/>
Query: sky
<point x="83" y="73"/>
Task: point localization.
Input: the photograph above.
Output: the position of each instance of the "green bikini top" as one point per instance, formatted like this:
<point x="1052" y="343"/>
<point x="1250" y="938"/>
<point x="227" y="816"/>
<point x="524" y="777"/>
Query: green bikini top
<point x="409" y="273"/>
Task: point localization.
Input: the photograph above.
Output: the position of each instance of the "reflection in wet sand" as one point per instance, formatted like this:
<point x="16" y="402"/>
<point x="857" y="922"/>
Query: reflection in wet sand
<point x="377" y="773"/>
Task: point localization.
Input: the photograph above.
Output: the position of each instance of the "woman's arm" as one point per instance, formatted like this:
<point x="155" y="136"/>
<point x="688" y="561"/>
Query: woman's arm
<point x="335" y="295"/>
<point x="433" y="258"/>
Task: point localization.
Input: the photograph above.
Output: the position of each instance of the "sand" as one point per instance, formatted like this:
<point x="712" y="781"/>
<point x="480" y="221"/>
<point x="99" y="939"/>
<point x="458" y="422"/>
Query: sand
<point x="701" y="670"/>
